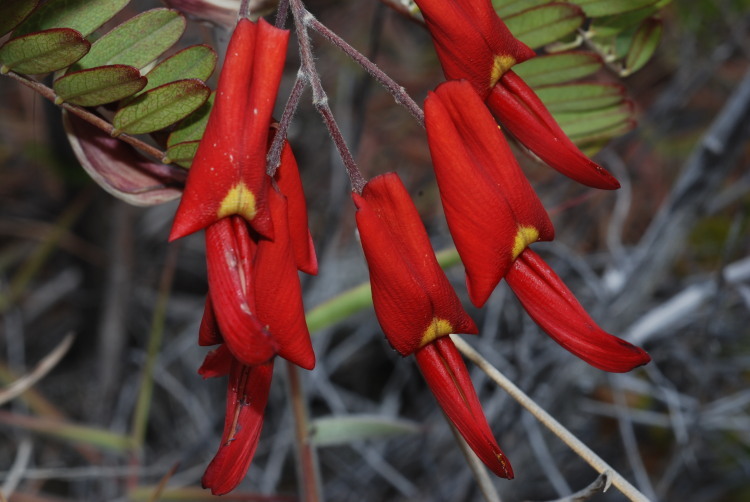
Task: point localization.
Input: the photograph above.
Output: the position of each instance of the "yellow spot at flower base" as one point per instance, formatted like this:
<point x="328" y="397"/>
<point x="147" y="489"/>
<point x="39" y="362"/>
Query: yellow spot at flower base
<point x="500" y="65"/>
<point x="437" y="328"/>
<point x="524" y="237"/>
<point x="239" y="200"/>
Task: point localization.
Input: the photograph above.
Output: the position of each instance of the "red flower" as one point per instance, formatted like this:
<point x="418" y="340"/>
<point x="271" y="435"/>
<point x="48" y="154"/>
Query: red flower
<point x="492" y="211"/>
<point x="228" y="174"/>
<point x="417" y="307"/>
<point x="446" y="374"/>
<point x="255" y="295"/>
<point x="554" y="308"/>
<point x="473" y="43"/>
<point x="247" y="395"/>
<point x="414" y="302"/>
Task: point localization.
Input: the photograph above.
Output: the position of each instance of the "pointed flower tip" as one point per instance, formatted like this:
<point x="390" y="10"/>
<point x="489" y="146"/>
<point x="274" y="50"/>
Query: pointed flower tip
<point x="525" y="117"/>
<point x="446" y="374"/>
<point x="552" y="306"/>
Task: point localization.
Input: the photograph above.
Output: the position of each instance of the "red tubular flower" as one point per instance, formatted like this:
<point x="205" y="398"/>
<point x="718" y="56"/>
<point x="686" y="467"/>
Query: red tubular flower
<point x="229" y="254"/>
<point x="417" y="307"/>
<point x="414" y="302"/>
<point x="247" y="395"/>
<point x="228" y="174"/>
<point x="288" y="180"/>
<point x="524" y="116"/>
<point x="446" y="374"/>
<point x="473" y="43"/>
<point x="480" y="182"/>
<point x="278" y="293"/>
<point x="554" y="308"/>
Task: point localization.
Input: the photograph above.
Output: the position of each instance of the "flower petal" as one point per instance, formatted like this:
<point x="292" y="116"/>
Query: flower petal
<point x="446" y="374"/>
<point x="217" y="363"/>
<point x="523" y="114"/>
<point x="229" y="257"/>
<point x="288" y="180"/>
<point x="413" y="300"/>
<point x="278" y="294"/>
<point x="472" y="42"/>
<point x="247" y="395"/>
<point x="208" y="332"/>
<point x="553" y="307"/>
<point x="228" y="173"/>
<point x="480" y="182"/>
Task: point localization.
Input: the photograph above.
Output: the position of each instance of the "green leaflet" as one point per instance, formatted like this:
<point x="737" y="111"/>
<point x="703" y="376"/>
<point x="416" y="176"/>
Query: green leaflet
<point x="558" y="68"/>
<point x="81" y="15"/>
<point x="548" y="23"/>
<point x="161" y="107"/>
<point x="137" y="41"/>
<point x="182" y="153"/>
<point x="191" y="128"/>
<point x="196" y="61"/>
<point x="15" y="11"/>
<point x="43" y="52"/>
<point x="599" y="8"/>
<point x="644" y="45"/>
<point x="98" y="86"/>
<point x="576" y="97"/>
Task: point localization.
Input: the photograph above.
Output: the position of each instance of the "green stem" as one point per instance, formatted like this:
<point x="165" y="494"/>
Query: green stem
<point x="143" y="405"/>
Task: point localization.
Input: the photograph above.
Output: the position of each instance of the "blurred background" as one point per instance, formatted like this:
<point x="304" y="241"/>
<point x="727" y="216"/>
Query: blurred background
<point x="664" y="262"/>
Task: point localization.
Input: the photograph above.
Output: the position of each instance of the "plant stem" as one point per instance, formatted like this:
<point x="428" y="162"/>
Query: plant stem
<point x="320" y="99"/>
<point x="143" y="404"/>
<point x="548" y="421"/>
<point x="89" y="117"/>
<point x="273" y="159"/>
<point x="397" y="91"/>
<point x="306" y="457"/>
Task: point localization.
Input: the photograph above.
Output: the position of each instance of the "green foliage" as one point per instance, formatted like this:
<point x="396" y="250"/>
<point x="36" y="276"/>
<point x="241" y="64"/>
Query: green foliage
<point x="98" y="86"/>
<point x="44" y="51"/>
<point x="192" y="127"/>
<point x="137" y="41"/>
<point x="621" y="35"/>
<point x="196" y="61"/>
<point x="545" y="24"/>
<point x="84" y="16"/>
<point x="15" y="11"/>
<point x="182" y="153"/>
<point x="161" y="107"/>
<point x="558" y="68"/>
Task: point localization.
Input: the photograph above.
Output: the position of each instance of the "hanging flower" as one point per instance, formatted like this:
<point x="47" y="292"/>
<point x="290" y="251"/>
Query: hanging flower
<point x="492" y="211"/>
<point x="247" y="395"/>
<point x="228" y="174"/>
<point x="417" y="307"/>
<point x="553" y="307"/>
<point x="473" y="43"/>
<point x="494" y="215"/>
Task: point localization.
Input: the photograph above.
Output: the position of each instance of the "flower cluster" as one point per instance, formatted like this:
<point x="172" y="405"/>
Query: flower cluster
<point x="257" y="237"/>
<point x="256" y="241"/>
<point x="493" y="215"/>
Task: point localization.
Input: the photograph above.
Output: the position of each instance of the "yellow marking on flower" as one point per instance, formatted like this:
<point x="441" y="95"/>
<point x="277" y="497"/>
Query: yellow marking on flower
<point x="524" y="237"/>
<point x="500" y="65"/>
<point x="239" y="200"/>
<point x="437" y="328"/>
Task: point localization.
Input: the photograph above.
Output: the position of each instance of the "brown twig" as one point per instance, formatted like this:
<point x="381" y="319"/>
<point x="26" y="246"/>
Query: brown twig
<point x="88" y="116"/>
<point x="320" y="100"/>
